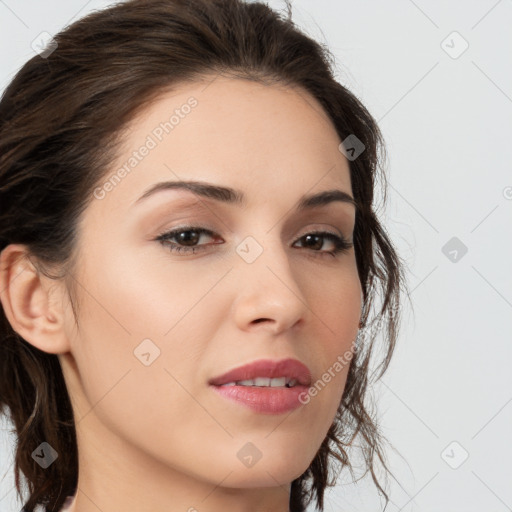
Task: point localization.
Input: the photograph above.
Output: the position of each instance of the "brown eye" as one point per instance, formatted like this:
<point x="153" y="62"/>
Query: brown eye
<point x="186" y="236"/>
<point x="315" y="240"/>
<point x="186" y="240"/>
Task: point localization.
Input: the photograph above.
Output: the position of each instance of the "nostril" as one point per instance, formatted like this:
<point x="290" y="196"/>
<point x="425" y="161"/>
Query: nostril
<point x="260" y="320"/>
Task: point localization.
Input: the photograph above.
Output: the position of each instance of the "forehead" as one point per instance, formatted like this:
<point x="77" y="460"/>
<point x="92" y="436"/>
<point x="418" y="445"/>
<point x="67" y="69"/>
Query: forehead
<point x="268" y="140"/>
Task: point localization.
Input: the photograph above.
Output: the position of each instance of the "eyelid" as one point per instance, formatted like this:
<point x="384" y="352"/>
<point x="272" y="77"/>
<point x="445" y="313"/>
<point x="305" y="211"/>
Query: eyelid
<point x="342" y="244"/>
<point x="205" y="227"/>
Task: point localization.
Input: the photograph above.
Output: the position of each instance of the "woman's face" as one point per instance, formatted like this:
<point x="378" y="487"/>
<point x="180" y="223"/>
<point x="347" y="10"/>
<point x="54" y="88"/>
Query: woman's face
<point x="155" y="325"/>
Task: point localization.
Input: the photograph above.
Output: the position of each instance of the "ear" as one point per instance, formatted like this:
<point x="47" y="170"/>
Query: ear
<point x="32" y="302"/>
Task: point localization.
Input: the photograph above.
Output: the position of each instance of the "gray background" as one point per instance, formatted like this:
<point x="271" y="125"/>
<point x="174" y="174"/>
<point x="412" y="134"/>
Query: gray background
<point x="447" y="121"/>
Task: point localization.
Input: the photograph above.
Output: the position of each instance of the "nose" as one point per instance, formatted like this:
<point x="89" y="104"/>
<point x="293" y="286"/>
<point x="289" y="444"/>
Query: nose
<point x="269" y="295"/>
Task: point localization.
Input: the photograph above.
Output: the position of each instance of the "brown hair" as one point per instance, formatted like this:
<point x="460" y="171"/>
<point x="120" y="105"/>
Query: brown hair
<point x="61" y="119"/>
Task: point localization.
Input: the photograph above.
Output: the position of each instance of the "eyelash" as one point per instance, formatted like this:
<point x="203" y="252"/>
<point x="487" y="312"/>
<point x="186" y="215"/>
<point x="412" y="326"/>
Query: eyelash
<point x="341" y="244"/>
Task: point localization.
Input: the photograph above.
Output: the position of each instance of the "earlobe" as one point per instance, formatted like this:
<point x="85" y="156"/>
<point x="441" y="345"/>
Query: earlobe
<point x="27" y="301"/>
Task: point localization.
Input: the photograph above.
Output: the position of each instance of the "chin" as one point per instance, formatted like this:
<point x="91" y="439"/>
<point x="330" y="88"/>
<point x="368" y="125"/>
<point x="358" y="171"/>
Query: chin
<point x="266" y="473"/>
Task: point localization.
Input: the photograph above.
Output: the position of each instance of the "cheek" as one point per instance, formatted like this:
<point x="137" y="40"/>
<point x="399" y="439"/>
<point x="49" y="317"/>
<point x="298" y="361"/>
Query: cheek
<point x="143" y="293"/>
<point x="143" y="330"/>
<point x="335" y="302"/>
<point x="336" y="308"/>
<point x="124" y="319"/>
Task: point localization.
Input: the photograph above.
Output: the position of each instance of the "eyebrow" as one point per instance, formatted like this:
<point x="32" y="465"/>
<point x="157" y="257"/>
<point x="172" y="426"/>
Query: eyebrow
<point x="236" y="197"/>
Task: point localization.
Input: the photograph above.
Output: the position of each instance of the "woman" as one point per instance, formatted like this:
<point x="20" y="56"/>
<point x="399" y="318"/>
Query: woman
<point x="189" y="254"/>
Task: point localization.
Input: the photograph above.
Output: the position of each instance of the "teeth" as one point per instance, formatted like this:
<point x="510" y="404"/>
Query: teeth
<point x="264" y="382"/>
<point x="245" y="383"/>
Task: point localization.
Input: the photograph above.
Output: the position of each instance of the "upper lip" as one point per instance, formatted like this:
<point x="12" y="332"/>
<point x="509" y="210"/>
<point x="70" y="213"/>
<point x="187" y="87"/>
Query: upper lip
<point x="290" y="368"/>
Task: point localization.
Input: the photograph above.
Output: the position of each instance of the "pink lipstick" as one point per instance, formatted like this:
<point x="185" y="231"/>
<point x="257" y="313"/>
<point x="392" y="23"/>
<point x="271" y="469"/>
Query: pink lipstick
<point x="265" y="386"/>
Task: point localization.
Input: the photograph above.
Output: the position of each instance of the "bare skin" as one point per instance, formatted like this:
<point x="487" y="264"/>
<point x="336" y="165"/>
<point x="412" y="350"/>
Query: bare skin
<point x="157" y="438"/>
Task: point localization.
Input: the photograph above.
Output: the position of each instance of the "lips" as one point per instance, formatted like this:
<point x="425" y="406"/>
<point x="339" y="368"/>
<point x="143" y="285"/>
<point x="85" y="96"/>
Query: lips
<point x="290" y="368"/>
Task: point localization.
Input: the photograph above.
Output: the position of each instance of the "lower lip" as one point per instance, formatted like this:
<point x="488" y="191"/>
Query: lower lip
<point x="266" y="400"/>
